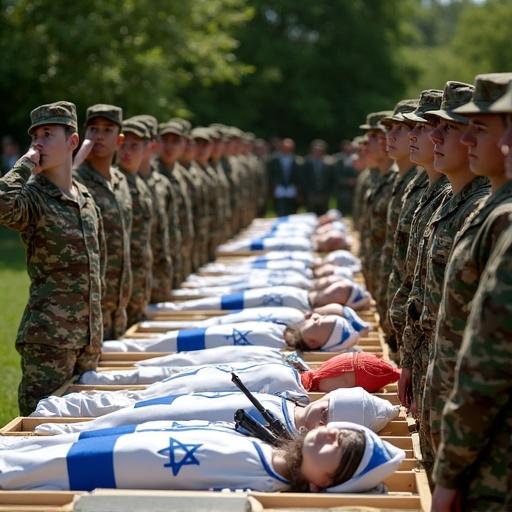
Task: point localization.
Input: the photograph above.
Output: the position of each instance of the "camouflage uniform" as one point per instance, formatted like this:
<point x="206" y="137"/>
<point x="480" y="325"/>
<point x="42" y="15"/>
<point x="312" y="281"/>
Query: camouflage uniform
<point x="60" y="332"/>
<point x="114" y="200"/>
<point x="469" y="256"/>
<point x="361" y="184"/>
<point x="163" y="226"/>
<point x="185" y="221"/>
<point x="140" y="248"/>
<point x="164" y="222"/>
<point x="378" y="218"/>
<point x="435" y="249"/>
<point x="475" y="452"/>
<point x="435" y="194"/>
<point x="410" y="200"/>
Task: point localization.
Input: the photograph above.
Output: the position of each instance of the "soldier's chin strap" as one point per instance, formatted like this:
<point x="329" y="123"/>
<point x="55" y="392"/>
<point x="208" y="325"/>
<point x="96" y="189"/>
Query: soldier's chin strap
<point x="274" y="425"/>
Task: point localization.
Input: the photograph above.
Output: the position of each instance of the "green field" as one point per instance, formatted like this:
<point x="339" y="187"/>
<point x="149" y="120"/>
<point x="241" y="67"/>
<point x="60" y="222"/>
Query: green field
<point x="13" y="297"/>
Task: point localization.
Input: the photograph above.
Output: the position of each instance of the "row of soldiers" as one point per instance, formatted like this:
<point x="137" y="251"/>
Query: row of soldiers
<point x="116" y="225"/>
<point x="434" y="211"/>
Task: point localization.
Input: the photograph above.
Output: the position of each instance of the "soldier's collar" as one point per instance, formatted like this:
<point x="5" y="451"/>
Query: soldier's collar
<point x="44" y="184"/>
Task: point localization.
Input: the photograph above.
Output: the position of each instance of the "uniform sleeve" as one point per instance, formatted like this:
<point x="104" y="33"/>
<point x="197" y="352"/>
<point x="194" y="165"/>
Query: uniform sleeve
<point x="103" y="250"/>
<point x="483" y="379"/>
<point x="16" y="205"/>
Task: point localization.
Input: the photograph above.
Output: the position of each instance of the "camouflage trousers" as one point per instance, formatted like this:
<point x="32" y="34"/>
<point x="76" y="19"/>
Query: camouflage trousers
<point x="141" y="294"/>
<point x="186" y="259"/>
<point x="46" y="368"/>
<point x="115" y="322"/>
<point x="419" y="370"/>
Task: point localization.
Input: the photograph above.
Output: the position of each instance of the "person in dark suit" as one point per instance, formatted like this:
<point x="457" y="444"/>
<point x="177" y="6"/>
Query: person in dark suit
<point x="317" y="178"/>
<point x="283" y="171"/>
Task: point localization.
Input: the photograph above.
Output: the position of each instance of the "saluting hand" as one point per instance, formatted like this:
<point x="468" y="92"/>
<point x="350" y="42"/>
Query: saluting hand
<point x="83" y="152"/>
<point x="34" y="156"/>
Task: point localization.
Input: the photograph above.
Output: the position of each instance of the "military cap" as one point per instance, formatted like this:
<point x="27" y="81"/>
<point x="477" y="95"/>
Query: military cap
<point x="373" y="120"/>
<point x="504" y="104"/>
<point x="171" y="127"/>
<point x="201" y="132"/>
<point x="430" y="99"/>
<point x="402" y="107"/>
<point x="360" y="139"/>
<point x="137" y="127"/>
<point x="187" y="125"/>
<point x="219" y="131"/>
<point x="488" y="88"/>
<point x="60" y="112"/>
<point x="455" y="94"/>
<point x="110" y="112"/>
<point x="150" y="122"/>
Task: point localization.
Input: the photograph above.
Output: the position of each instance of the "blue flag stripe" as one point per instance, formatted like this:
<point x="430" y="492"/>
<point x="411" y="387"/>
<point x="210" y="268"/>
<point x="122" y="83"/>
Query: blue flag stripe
<point x="232" y="301"/>
<point x="90" y="460"/>
<point x="191" y="339"/>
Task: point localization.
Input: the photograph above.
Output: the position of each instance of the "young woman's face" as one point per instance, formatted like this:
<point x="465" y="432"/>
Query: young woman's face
<point x="397" y="139"/>
<point x="321" y="456"/>
<point x="317" y="329"/>
<point x="171" y="146"/>
<point x="421" y="149"/>
<point x="131" y="152"/>
<point x="450" y="154"/>
<point x="482" y="140"/>
<point x="106" y="137"/>
<point x="316" y="414"/>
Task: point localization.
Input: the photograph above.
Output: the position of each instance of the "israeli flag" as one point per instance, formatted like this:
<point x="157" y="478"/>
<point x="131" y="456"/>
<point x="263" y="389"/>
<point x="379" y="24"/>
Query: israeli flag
<point x="277" y="296"/>
<point x="218" y="355"/>
<point x="342" y="337"/>
<point x="274" y="378"/>
<point x="265" y="334"/>
<point x="355" y="321"/>
<point x="172" y="455"/>
<point x="217" y="377"/>
<point x="283" y="243"/>
<point x="209" y="406"/>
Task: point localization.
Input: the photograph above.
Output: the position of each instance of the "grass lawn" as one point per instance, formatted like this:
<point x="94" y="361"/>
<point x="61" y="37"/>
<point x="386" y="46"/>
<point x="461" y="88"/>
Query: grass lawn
<point x="14" y="284"/>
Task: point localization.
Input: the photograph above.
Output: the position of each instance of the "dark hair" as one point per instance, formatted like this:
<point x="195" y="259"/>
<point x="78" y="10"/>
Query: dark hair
<point x="353" y="443"/>
<point x="68" y="131"/>
<point x="293" y="337"/>
<point x="294" y="475"/>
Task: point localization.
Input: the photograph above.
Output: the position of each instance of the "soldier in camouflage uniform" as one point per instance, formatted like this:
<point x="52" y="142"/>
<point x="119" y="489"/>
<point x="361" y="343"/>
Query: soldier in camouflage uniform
<point x="60" y="225"/>
<point x="164" y="216"/>
<point x="129" y="158"/>
<point x="474" y="458"/>
<point x="172" y="144"/>
<point x="380" y="182"/>
<point x="363" y="176"/>
<point x="397" y="138"/>
<point x="434" y="194"/>
<point x="198" y="190"/>
<point x="469" y="193"/>
<point x="475" y="240"/>
<point x="110" y="190"/>
<point x="204" y="146"/>
<point x="219" y="146"/>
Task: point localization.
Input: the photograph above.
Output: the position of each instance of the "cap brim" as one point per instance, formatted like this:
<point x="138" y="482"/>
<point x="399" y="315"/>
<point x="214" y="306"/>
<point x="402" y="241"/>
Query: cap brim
<point x="49" y="122"/>
<point x="448" y="116"/>
<point x="100" y="114"/>
<point x="471" y="108"/>
<point x="502" y="105"/>
<point x="412" y="117"/>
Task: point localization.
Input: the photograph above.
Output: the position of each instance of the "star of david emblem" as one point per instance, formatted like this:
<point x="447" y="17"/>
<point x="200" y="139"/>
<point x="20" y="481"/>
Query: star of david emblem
<point x="239" y="337"/>
<point x="272" y="299"/>
<point x="187" y="452"/>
